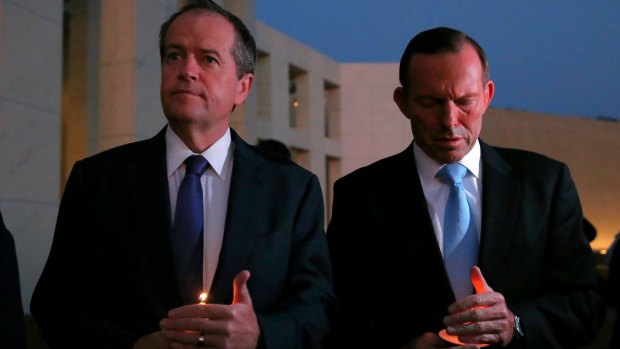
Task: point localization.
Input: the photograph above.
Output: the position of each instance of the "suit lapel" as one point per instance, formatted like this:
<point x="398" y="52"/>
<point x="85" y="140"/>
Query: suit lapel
<point x="242" y="219"/>
<point x="499" y="209"/>
<point x="413" y="211"/>
<point x="428" y="239"/>
<point x="148" y="185"/>
<point x="412" y="250"/>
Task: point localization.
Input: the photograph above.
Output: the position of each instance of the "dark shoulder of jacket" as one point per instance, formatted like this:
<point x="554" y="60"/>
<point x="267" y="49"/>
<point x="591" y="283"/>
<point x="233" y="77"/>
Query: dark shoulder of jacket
<point x="127" y="153"/>
<point x="526" y="159"/>
<point x="383" y="170"/>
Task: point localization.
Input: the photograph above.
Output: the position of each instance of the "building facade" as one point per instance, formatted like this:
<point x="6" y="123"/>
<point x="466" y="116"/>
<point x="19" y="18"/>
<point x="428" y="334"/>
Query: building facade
<point x="81" y="76"/>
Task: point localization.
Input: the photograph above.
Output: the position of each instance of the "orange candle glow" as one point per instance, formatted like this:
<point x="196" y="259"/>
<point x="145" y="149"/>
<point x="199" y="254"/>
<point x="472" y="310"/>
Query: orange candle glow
<point x="481" y="286"/>
<point x="455" y="339"/>
<point x="203" y="298"/>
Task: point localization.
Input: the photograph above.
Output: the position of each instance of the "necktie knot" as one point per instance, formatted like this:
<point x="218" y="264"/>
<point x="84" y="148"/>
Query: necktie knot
<point x="452" y="173"/>
<point x="196" y="164"/>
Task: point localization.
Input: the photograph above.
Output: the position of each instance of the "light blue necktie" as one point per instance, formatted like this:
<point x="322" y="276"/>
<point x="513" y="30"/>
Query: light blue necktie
<point x="187" y="233"/>
<point x="460" y="237"/>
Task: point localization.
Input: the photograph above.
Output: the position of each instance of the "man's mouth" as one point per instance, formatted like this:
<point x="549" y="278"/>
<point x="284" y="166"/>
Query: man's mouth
<point x="187" y="92"/>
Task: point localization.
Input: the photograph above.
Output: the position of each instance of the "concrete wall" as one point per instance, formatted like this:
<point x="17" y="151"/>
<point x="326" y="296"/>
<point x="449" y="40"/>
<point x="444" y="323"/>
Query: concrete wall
<point x="372" y="125"/>
<point x="591" y="148"/>
<point x="30" y="123"/>
<point x="110" y="94"/>
<point x="311" y="146"/>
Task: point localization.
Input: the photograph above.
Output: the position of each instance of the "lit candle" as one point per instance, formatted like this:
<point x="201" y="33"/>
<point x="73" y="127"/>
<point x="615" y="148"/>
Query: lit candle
<point x="203" y="298"/>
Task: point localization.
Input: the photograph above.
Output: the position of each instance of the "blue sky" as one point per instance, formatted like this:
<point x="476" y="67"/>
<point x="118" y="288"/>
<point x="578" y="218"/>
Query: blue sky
<point x="559" y="57"/>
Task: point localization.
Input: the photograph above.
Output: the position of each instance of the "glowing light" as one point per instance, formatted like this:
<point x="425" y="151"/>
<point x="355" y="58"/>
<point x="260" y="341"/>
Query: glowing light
<point x="481" y="286"/>
<point x="295" y="104"/>
<point x="455" y="339"/>
<point x="203" y="298"/>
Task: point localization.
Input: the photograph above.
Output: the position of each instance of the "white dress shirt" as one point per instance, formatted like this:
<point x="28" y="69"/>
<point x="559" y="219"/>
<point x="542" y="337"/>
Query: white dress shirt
<point x="215" y="183"/>
<point x="437" y="192"/>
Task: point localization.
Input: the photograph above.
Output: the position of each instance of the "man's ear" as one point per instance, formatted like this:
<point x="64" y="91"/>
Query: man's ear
<point x="243" y="89"/>
<point x="488" y="93"/>
<point x="401" y="100"/>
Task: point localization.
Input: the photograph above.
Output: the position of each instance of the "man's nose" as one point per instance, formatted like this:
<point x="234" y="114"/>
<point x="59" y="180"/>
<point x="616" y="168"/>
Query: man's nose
<point x="189" y="70"/>
<point x="450" y="114"/>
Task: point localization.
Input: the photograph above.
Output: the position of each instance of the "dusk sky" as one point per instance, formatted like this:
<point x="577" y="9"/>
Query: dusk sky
<point x="558" y="57"/>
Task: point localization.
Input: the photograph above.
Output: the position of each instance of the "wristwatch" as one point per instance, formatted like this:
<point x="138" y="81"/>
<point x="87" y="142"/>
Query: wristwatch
<point x="517" y="330"/>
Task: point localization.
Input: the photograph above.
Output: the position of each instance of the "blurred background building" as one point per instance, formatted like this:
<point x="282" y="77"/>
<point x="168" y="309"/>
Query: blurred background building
<point x="81" y="76"/>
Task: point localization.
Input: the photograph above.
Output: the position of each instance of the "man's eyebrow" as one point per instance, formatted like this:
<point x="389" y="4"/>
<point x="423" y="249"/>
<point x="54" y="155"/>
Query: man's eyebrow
<point x="420" y="97"/>
<point x="210" y="51"/>
<point x="202" y="50"/>
<point x="173" y="46"/>
<point x="467" y="95"/>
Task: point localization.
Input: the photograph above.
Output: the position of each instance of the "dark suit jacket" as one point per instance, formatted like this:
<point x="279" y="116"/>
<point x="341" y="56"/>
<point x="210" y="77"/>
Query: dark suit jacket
<point x="11" y="311"/>
<point x="389" y="273"/>
<point x="614" y="293"/>
<point x="110" y="278"/>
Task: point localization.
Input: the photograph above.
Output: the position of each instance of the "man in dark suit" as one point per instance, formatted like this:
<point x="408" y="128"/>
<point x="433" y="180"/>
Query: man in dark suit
<point x="536" y="288"/>
<point x="112" y="279"/>
<point x="11" y="311"/>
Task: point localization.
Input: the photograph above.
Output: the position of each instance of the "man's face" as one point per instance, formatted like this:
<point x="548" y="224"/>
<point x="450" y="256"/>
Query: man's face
<point x="199" y="84"/>
<point x="445" y="101"/>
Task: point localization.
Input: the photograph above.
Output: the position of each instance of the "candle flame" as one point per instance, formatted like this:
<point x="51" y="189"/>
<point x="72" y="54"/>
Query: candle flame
<point x="202" y="298"/>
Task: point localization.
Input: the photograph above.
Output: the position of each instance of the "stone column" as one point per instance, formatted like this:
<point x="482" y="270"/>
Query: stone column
<point x="30" y="126"/>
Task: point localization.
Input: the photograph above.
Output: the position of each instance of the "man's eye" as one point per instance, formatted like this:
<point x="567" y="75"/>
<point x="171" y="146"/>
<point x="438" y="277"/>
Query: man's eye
<point x="173" y="56"/>
<point x="428" y="102"/>
<point x="210" y="59"/>
<point x="465" y="102"/>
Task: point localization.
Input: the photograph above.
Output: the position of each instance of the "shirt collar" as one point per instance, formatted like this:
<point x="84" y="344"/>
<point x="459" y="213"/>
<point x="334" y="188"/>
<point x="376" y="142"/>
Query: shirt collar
<point x="177" y="152"/>
<point x="428" y="167"/>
